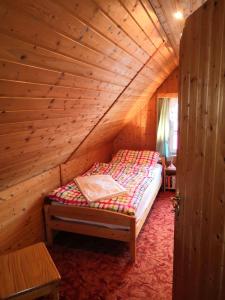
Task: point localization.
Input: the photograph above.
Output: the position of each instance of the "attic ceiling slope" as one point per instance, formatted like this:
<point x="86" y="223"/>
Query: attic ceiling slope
<point x="170" y="29"/>
<point x="165" y="10"/>
<point x="122" y="112"/>
<point x="63" y="63"/>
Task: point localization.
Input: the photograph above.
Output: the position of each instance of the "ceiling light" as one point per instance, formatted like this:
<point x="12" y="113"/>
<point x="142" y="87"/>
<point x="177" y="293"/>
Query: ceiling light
<point x="178" y="15"/>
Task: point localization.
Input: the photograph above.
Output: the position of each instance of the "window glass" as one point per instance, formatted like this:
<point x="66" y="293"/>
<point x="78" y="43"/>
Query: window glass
<point x="173" y="124"/>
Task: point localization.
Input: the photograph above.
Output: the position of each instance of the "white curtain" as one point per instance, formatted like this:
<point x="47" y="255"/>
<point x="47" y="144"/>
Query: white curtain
<point x="167" y="109"/>
<point x="163" y="127"/>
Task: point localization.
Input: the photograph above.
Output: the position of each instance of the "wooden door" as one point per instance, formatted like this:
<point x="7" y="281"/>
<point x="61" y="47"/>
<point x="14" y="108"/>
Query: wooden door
<point x="199" y="254"/>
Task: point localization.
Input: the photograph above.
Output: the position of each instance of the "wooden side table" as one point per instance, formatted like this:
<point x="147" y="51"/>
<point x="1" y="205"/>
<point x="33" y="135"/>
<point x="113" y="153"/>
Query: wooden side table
<point x="28" y="273"/>
<point x="169" y="175"/>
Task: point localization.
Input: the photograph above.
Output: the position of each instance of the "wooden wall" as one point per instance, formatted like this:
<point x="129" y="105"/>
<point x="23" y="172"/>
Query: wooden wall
<point x="21" y="206"/>
<point x="71" y="73"/>
<point x="199" y="270"/>
<point x="84" y="161"/>
<point x="140" y="132"/>
<point x="21" y="215"/>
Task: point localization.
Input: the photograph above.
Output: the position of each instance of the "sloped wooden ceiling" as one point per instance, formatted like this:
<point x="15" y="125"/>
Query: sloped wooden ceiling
<point x="165" y="10"/>
<point x="72" y="73"/>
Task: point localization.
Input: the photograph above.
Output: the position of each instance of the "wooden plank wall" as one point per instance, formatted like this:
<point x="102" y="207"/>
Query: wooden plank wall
<point x="83" y="162"/>
<point x="21" y="215"/>
<point x="140" y="132"/>
<point x="199" y="270"/>
<point x="63" y="63"/>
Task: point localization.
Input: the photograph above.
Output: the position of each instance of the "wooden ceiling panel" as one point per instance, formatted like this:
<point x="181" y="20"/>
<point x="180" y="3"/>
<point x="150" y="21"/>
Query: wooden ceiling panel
<point x="76" y="28"/>
<point x="72" y="73"/>
<point x="16" y="26"/>
<point x="26" y="73"/>
<point x="92" y="14"/>
<point x="165" y="10"/>
<point x="140" y="15"/>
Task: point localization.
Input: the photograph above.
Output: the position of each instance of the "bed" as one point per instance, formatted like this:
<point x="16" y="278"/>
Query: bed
<point x="119" y="218"/>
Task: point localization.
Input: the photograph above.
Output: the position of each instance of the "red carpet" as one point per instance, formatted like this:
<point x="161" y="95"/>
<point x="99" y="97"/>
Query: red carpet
<point x="99" y="269"/>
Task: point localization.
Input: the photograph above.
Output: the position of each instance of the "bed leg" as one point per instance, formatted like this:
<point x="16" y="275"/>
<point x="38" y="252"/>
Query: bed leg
<point x="133" y="240"/>
<point x="48" y="230"/>
<point x="133" y="251"/>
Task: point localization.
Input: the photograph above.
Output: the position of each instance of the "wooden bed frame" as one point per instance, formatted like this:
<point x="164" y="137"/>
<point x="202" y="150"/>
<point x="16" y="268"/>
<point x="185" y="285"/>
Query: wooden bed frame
<point x="94" y="215"/>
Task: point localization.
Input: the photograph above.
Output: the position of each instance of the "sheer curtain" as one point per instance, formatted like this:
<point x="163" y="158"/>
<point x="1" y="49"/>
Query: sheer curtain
<point x="162" y="145"/>
<point x="167" y="126"/>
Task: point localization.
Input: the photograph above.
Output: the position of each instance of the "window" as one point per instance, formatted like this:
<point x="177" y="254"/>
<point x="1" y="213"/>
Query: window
<point x="167" y="126"/>
<point x="173" y="125"/>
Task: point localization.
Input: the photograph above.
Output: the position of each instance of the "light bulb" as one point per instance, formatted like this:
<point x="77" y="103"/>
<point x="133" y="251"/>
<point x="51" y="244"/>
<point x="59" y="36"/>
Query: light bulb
<point x="178" y="15"/>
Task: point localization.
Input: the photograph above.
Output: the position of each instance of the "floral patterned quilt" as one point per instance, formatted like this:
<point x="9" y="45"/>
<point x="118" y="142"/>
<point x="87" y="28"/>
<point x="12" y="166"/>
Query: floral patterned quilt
<point x="134" y="178"/>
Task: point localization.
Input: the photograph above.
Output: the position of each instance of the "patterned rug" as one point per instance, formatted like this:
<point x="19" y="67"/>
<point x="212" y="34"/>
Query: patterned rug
<point x="99" y="269"/>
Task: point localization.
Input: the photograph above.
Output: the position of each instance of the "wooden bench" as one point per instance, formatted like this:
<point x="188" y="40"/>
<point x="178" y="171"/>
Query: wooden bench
<point x="28" y="273"/>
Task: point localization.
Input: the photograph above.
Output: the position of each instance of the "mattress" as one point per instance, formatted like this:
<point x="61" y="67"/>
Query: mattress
<point x="147" y="200"/>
